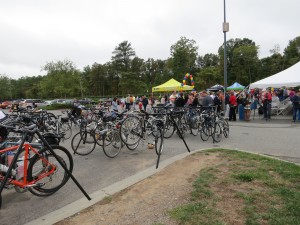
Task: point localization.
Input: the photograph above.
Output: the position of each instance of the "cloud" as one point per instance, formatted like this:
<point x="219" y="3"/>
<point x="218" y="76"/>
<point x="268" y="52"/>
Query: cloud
<point x="35" y="32"/>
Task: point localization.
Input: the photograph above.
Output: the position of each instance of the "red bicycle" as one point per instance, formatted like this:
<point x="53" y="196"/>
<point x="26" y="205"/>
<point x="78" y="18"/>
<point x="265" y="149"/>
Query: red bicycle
<point x="33" y="166"/>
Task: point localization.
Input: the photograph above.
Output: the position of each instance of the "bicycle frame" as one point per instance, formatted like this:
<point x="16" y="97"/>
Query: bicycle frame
<point x="27" y="148"/>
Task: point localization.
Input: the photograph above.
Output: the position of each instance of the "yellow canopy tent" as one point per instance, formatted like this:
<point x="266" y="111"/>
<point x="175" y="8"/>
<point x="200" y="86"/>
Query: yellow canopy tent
<point x="171" y="85"/>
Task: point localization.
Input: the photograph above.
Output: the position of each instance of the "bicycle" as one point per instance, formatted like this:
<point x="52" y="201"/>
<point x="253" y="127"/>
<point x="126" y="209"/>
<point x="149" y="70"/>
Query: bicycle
<point x="59" y="127"/>
<point x="84" y="142"/>
<point x="136" y="127"/>
<point x="214" y="125"/>
<point x="40" y="168"/>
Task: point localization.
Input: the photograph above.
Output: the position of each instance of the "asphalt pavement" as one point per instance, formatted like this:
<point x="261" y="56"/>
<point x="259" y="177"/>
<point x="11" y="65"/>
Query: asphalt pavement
<point x="101" y="176"/>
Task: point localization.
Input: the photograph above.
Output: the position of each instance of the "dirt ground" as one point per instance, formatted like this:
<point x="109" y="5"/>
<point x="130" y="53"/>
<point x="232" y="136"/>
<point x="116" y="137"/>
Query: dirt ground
<point x="148" y="201"/>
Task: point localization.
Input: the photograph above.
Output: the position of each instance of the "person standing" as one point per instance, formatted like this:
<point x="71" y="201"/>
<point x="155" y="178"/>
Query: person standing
<point x="115" y="104"/>
<point x="232" y="105"/>
<point x="190" y="100"/>
<point x="127" y="102"/>
<point x="163" y="100"/>
<point x="144" y="102"/>
<point x="296" y="106"/>
<point x="206" y="100"/>
<point x="267" y="101"/>
<point x="179" y="102"/>
<point x="217" y="102"/>
<point x="173" y="97"/>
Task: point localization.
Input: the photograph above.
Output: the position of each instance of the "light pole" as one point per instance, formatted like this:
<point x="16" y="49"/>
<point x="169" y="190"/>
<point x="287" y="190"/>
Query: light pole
<point x="225" y="29"/>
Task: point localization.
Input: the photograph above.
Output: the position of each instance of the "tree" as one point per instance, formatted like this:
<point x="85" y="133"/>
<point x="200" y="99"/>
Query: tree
<point x="62" y="80"/>
<point x="183" y="57"/>
<point x="122" y="56"/>
<point x="208" y="60"/>
<point x="270" y="65"/>
<point x="6" y="93"/>
<point x="242" y="60"/>
<point x="95" y="80"/>
<point x="292" y="52"/>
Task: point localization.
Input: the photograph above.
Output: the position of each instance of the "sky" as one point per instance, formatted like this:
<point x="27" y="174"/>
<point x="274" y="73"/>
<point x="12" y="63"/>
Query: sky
<point x="35" y="32"/>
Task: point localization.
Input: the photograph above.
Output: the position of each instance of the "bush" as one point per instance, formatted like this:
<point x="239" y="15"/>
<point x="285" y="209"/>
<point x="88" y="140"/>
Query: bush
<point x="57" y="106"/>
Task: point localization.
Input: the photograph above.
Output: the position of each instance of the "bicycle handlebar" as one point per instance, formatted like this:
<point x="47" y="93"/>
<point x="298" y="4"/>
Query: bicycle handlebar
<point x="30" y="129"/>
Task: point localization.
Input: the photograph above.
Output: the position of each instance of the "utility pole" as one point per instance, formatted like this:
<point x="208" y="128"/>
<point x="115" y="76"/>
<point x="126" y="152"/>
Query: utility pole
<point x="225" y="29"/>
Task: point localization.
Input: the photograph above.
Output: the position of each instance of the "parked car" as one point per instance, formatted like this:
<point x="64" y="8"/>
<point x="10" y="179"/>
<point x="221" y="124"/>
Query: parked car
<point x="58" y="101"/>
<point x="105" y="101"/>
<point x="28" y="103"/>
<point x="5" y="104"/>
<point x="86" y="101"/>
<point x="68" y="101"/>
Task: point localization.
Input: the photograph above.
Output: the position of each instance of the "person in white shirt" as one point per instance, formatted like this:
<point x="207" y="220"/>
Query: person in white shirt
<point x="172" y="98"/>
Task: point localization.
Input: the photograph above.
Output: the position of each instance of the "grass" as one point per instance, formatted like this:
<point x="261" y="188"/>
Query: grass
<point x="258" y="189"/>
<point x="57" y="106"/>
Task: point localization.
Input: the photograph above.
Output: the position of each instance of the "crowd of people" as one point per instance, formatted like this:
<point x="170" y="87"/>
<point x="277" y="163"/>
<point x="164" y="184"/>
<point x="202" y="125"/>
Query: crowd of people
<point x="234" y="101"/>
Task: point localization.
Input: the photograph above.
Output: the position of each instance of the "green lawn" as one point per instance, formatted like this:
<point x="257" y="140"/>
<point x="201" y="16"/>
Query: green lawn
<point x="243" y="189"/>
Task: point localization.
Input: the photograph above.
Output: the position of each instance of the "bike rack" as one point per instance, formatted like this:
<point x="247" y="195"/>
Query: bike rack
<point x="180" y="136"/>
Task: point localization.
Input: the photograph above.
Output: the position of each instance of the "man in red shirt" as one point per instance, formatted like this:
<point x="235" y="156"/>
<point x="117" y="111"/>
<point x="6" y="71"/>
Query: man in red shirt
<point x="267" y="100"/>
<point x="232" y="105"/>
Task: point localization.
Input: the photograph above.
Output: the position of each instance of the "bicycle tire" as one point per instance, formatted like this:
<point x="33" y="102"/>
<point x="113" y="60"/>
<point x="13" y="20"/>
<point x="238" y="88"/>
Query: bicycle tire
<point x="48" y="184"/>
<point x="217" y="133"/>
<point x="156" y="124"/>
<point x="205" y="132"/>
<point x="195" y="127"/>
<point x="159" y="140"/>
<point x="112" y="144"/>
<point x="133" y="147"/>
<point x="131" y="130"/>
<point x="181" y="128"/>
<point x="83" y="143"/>
<point x="169" y="129"/>
<point x="66" y="128"/>
<point x="225" y="128"/>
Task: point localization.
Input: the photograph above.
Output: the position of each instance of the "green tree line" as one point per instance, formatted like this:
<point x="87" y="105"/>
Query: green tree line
<point x="127" y="73"/>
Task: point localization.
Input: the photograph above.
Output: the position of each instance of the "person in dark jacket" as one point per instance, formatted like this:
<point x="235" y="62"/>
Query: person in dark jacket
<point x="217" y="101"/>
<point x="144" y="102"/>
<point x="296" y="106"/>
<point x="179" y="102"/>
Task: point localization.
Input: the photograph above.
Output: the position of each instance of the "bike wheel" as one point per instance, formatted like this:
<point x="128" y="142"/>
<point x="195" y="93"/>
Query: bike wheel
<point x="217" y="133"/>
<point x="83" y="143"/>
<point x="194" y="127"/>
<point x="131" y="130"/>
<point x="205" y="132"/>
<point x="156" y="125"/>
<point x="112" y="143"/>
<point x="133" y="147"/>
<point x="169" y="129"/>
<point x="46" y="173"/>
<point x="181" y="128"/>
<point x="66" y="129"/>
<point x="159" y="140"/>
<point x="225" y="128"/>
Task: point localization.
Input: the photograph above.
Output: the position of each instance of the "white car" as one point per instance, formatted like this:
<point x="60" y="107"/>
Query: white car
<point x="28" y="103"/>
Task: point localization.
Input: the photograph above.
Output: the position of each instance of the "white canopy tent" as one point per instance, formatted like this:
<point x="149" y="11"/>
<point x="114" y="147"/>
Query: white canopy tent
<point x="288" y="78"/>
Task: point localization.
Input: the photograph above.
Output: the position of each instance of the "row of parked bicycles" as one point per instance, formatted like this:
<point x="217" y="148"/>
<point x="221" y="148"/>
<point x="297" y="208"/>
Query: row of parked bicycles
<point x="113" y="131"/>
<point x="31" y="157"/>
